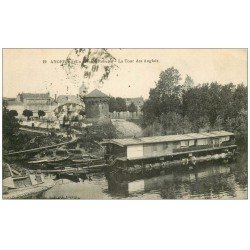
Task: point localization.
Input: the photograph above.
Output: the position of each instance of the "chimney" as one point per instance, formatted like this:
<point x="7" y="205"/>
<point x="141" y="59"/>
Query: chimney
<point x="55" y="97"/>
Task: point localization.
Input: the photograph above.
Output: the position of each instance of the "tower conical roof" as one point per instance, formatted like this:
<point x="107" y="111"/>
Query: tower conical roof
<point x="96" y="93"/>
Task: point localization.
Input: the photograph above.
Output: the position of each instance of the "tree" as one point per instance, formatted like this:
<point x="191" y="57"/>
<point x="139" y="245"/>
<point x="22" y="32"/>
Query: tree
<point x="13" y="113"/>
<point x="27" y="113"/>
<point x="132" y="108"/>
<point x="165" y="97"/>
<point x="195" y="108"/>
<point x="121" y="104"/>
<point x="202" y="124"/>
<point x="188" y="83"/>
<point x="41" y="113"/>
<point x="239" y="99"/>
<point x="174" y="123"/>
<point x="154" y="129"/>
<point x="169" y="79"/>
<point x="238" y="125"/>
<point x="10" y="126"/>
<point x="218" y="125"/>
<point x="112" y="104"/>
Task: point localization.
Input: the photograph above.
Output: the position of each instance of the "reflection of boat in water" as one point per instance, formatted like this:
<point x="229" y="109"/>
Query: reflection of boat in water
<point x="74" y="177"/>
<point x="175" y="183"/>
<point x="157" y="153"/>
<point x="18" y="186"/>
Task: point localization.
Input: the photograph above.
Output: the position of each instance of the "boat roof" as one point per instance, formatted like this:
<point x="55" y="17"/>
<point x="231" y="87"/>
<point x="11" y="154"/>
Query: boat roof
<point x="167" y="138"/>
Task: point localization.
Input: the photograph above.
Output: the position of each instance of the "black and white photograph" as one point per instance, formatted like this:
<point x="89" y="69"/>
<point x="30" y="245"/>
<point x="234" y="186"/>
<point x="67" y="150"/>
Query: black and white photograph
<point x="125" y="124"/>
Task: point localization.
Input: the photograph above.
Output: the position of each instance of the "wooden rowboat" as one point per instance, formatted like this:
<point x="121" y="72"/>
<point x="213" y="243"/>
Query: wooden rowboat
<point x="38" y="161"/>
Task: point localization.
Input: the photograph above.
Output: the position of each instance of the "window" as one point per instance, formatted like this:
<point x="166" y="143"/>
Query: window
<point x="165" y="146"/>
<point x="154" y="147"/>
<point x="184" y="143"/>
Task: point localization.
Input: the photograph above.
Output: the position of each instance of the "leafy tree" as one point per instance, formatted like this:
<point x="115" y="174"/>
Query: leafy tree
<point x="27" y="113"/>
<point x="174" y="123"/>
<point x="153" y="129"/>
<point x="132" y="108"/>
<point x="241" y="130"/>
<point x="164" y="98"/>
<point x="238" y="125"/>
<point x="169" y="79"/>
<point x="13" y="113"/>
<point x="41" y="113"/>
<point x="202" y="124"/>
<point x="10" y="126"/>
<point x="150" y="113"/>
<point x="218" y="125"/>
<point x="239" y="99"/>
<point x="195" y="108"/>
<point x="121" y="104"/>
<point x="188" y="83"/>
<point x="112" y="104"/>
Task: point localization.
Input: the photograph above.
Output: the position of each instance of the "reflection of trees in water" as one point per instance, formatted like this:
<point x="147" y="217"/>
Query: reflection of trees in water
<point x="208" y="182"/>
<point x="240" y="170"/>
<point x="213" y="186"/>
<point x="210" y="186"/>
<point x="169" y="191"/>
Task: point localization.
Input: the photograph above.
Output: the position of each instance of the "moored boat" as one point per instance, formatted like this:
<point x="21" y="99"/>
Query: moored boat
<point x="17" y="185"/>
<point x="57" y="159"/>
<point x="157" y="153"/>
<point x="38" y="161"/>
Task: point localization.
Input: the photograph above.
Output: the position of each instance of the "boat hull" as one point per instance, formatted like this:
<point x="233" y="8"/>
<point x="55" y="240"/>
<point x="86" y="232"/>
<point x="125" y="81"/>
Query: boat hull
<point x="160" y="164"/>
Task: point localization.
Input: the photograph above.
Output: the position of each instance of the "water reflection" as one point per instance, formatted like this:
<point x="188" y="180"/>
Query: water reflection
<point x="210" y="182"/>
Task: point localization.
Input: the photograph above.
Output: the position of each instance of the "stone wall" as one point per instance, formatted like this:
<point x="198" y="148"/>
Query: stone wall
<point x="96" y="108"/>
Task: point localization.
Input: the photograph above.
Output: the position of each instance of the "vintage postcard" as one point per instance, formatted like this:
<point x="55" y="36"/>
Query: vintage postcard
<point x="124" y="124"/>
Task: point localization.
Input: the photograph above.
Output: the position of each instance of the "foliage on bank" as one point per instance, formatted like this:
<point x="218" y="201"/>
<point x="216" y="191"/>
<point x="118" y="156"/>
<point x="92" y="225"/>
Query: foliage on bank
<point x="92" y="136"/>
<point x="10" y="126"/>
<point x="174" y="108"/>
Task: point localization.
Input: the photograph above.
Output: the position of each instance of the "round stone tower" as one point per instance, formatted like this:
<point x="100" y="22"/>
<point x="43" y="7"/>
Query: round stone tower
<point x="96" y="105"/>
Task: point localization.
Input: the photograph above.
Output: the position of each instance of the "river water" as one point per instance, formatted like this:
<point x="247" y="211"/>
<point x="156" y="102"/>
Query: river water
<point x="215" y="181"/>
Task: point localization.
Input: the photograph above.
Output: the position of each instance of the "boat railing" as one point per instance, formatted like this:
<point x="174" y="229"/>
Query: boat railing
<point x="227" y="143"/>
<point x="193" y="148"/>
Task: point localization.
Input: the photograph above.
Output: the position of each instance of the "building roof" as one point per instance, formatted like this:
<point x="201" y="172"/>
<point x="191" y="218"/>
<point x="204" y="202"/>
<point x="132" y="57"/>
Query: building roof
<point x="9" y="98"/>
<point x="35" y="95"/>
<point x="14" y="103"/>
<point x="221" y="133"/>
<point x="167" y="138"/>
<point x="96" y="93"/>
<point x="67" y="98"/>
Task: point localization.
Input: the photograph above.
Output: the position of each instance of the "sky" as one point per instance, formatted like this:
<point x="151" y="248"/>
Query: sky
<point x="25" y="70"/>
